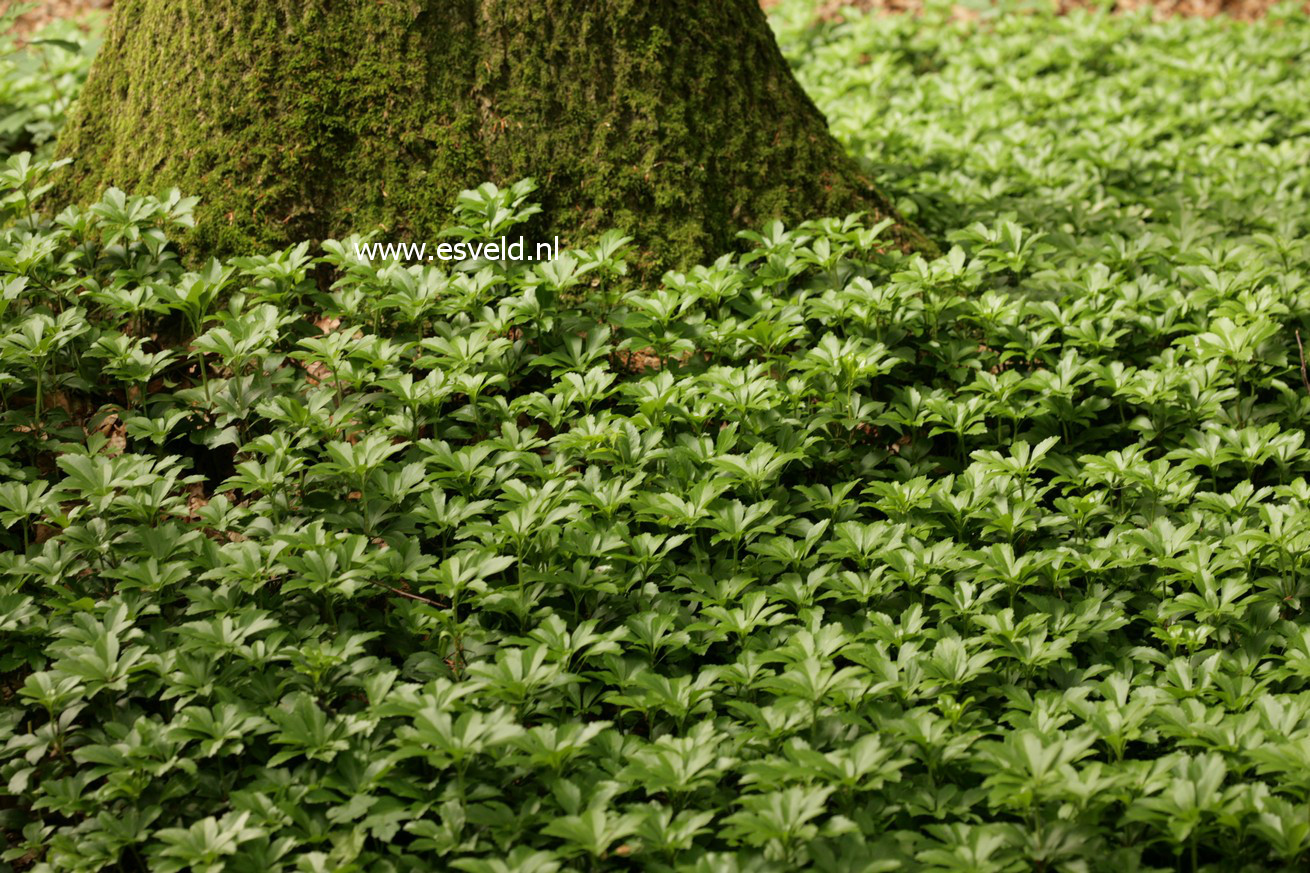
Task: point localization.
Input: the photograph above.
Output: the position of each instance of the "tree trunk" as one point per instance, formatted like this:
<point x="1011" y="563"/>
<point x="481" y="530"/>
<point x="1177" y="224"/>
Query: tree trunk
<point x="678" y="122"/>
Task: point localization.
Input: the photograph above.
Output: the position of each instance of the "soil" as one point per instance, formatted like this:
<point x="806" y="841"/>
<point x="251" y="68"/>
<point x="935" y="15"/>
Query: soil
<point x="1244" y="10"/>
<point x="48" y="10"/>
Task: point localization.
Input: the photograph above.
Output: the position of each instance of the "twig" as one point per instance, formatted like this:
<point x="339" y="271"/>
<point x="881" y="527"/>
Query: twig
<point x="1305" y="380"/>
<point x="417" y="597"/>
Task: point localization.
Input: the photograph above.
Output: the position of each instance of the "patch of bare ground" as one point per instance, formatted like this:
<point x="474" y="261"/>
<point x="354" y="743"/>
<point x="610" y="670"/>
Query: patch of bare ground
<point x="1244" y="10"/>
<point x="48" y="10"/>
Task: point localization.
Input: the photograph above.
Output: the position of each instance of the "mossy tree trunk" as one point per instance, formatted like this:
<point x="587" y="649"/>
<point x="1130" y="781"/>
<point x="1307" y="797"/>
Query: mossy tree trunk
<point x="678" y="122"/>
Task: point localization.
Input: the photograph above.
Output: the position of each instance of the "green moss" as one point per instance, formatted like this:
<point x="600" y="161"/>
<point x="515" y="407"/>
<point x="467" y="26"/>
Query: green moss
<point x="296" y="119"/>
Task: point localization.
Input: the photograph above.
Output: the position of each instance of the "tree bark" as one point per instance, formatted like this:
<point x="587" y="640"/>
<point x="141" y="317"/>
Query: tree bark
<point x="678" y="122"/>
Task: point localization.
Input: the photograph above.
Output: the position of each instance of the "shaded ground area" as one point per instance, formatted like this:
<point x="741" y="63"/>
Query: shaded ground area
<point x="48" y="10"/>
<point x="1240" y="9"/>
<point x="1243" y="9"/>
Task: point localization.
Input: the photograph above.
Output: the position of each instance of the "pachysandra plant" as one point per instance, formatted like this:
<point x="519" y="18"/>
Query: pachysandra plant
<point x="814" y="557"/>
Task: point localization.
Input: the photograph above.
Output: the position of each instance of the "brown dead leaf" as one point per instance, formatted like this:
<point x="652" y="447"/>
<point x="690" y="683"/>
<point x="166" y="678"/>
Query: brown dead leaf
<point x="196" y="500"/>
<point x="115" y="431"/>
<point x="641" y="360"/>
<point x="317" y="371"/>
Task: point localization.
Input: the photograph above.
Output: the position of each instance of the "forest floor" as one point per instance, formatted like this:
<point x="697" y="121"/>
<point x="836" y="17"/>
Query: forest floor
<point x="1240" y="9"/>
<point x="47" y="10"/>
<point x="994" y="561"/>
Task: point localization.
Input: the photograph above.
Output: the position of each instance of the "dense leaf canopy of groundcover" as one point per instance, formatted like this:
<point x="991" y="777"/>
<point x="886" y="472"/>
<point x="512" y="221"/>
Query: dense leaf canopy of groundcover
<point x="815" y="556"/>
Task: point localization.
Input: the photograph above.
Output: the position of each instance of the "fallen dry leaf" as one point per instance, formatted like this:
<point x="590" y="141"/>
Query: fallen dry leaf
<point x="115" y="431"/>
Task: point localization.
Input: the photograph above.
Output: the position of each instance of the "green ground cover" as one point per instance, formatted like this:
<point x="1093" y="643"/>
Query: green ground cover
<point x="813" y="557"/>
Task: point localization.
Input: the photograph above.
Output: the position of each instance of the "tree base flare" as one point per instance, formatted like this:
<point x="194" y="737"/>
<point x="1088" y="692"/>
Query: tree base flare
<point x="303" y="119"/>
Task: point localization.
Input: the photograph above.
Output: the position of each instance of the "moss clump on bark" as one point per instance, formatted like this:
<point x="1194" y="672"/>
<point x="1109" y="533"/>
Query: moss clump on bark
<point x="302" y="119"/>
